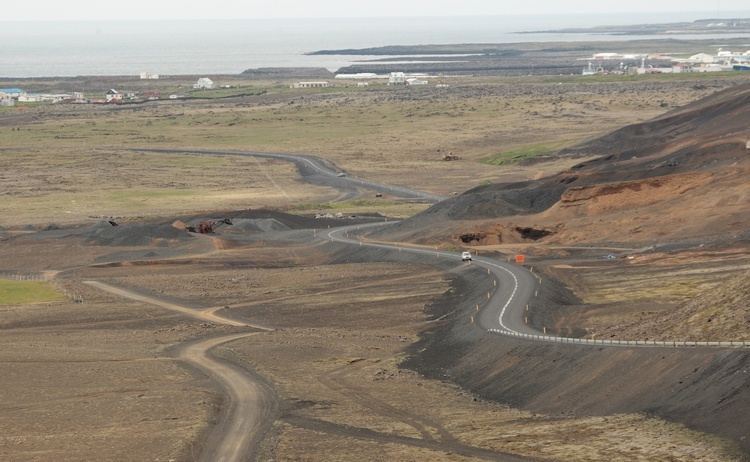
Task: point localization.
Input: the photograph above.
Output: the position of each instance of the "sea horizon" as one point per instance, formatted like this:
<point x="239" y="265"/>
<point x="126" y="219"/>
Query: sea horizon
<point x="230" y="46"/>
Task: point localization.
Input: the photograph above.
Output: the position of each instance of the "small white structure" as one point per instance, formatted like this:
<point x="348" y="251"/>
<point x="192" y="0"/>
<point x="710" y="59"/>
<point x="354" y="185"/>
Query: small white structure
<point x="358" y="76"/>
<point x="113" y="96"/>
<point x="701" y="58"/>
<point x="311" y="85"/>
<point x="7" y="102"/>
<point x="37" y="98"/>
<point x="30" y="98"/>
<point x="363" y="84"/>
<point x="147" y="76"/>
<point x="397" y="78"/>
<point x="416" y="81"/>
<point x="204" y="83"/>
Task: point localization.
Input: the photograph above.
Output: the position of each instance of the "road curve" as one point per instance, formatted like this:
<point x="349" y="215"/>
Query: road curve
<point x="252" y="402"/>
<point x="504" y="312"/>
<point x="309" y="166"/>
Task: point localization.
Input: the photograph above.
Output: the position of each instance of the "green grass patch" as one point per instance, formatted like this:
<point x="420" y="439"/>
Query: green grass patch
<point x="27" y="292"/>
<point x="527" y="152"/>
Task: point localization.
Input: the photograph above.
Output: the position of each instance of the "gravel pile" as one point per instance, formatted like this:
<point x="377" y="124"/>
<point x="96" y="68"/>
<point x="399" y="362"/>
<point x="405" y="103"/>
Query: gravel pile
<point x="136" y="234"/>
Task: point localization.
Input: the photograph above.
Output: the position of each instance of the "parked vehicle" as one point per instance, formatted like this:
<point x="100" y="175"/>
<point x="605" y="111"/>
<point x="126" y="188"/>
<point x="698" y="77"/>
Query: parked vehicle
<point x="466" y="256"/>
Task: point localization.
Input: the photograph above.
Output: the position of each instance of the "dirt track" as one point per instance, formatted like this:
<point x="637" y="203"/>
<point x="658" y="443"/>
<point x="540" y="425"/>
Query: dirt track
<point x="252" y="404"/>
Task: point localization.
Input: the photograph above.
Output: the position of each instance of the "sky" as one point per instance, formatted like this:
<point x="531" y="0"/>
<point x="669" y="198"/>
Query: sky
<point x="49" y="10"/>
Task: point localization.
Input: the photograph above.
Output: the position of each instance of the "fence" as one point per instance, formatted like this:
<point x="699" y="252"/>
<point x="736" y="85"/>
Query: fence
<point x="42" y="278"/>
<point x="24" y="277"/>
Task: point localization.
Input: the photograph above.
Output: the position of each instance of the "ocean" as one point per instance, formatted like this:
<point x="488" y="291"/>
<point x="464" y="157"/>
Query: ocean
<point x="212" y="47"/>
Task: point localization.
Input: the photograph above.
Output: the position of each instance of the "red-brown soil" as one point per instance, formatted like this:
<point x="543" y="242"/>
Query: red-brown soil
<point x="679" y="177"/>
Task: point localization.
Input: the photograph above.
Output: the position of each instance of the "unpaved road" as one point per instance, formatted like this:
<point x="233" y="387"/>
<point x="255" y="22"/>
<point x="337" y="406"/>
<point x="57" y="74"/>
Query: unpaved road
<point x="252" y="401"/>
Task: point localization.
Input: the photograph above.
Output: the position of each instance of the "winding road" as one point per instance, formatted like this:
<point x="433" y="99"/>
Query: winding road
<point x="311" y="166"/>
<point x="503" y="311"/>
<point x="252" y="401"/>
<point x="516" y="287"/>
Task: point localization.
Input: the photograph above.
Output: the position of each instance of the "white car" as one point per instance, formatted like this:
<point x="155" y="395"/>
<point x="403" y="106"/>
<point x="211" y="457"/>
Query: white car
<point x="466" y="256"/>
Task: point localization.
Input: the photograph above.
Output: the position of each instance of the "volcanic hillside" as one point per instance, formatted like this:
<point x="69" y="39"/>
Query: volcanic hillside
<point x="681" y="177"/>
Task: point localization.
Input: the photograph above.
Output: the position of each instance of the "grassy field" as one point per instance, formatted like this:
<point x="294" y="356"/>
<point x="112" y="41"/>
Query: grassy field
<point x="12" y="292"/>
<point x="62" y="163"/>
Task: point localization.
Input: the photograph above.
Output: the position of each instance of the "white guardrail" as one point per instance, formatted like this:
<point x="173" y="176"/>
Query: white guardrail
<point x="624" y="343"/>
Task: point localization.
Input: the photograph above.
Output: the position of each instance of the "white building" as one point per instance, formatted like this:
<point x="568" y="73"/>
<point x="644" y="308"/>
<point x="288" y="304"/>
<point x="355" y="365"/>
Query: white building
<point x="397" y="78"/>
<point x="701" y="58"/>
<point x="358" y="76"/>
<point x="113" y="96"/>
<point x="416" y="81"/>
<point x="11" y="92"/>
<point x="311" y="85"/>
<point x="37" y="98"/>
<point x="204" y="83"/>
<point x="147" y="76"/>
<point x="30" y="98"/>
<point x="7" y="102"/>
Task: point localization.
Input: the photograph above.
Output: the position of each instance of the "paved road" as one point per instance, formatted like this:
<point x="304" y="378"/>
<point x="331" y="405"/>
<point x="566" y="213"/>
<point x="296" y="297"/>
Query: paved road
<point x="316" y="170"/>
<point x="505" y="311"/>
<point x="515" y="284"/>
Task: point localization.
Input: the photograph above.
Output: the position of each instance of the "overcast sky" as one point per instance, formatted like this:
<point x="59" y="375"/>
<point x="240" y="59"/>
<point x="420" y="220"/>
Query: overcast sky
<point x="35" y="10"/>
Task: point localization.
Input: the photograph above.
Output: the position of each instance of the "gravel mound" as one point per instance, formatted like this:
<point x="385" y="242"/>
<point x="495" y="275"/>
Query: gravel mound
<point x="259" y="225"/>
<point x="136" y="234"/>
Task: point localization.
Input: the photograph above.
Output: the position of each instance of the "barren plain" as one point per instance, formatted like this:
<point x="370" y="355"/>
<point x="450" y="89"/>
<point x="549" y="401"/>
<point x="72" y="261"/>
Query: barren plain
<point x="341" y="337"/>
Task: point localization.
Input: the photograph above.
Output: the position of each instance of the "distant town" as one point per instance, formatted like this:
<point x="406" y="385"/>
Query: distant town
<point x="603" y="63"/>
<point x="11" y="96"/>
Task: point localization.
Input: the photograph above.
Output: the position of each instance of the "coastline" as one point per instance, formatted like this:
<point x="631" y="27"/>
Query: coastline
<point x="229" y="47"/>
